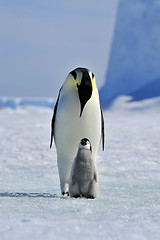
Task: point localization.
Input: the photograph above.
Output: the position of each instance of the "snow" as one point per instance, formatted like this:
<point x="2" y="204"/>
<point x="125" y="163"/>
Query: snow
<point x="134" y="56"/>
<point x="128" y="204"/>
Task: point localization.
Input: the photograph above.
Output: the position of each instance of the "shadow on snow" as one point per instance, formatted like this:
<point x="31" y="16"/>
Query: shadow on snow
<point x="30" y="195"/>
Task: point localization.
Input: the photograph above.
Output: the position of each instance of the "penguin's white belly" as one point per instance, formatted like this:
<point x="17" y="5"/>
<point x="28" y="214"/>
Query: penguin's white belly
<point x="70" y="128"/>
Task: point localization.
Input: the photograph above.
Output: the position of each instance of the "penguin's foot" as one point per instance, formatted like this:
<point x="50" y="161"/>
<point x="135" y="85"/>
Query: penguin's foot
<point x="88" y="196"/>
<point x="65" y="193"/>
<point x="83" y="196"/>
<point x="76" y="196"/>
<point x="64" y="188"/>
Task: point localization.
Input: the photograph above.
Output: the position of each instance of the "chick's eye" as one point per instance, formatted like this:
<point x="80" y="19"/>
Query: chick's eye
<point x="74" y="74"/>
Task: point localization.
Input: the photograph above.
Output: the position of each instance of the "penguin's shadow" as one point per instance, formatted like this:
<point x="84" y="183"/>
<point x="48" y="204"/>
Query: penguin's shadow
<point x="31" y="195"/>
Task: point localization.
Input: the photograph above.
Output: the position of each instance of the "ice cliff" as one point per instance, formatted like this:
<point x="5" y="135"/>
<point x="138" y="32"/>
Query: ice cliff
<point x="134" y="63"/>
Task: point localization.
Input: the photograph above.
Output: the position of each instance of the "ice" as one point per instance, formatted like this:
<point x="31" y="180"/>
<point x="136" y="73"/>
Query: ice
<point x="14" y="103"/>
<point x="133" y="67"/>
<point x="128" y="204"/>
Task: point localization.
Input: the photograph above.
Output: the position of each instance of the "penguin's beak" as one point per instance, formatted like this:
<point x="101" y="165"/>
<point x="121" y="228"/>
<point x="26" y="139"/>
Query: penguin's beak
<point x="84" y="91"/>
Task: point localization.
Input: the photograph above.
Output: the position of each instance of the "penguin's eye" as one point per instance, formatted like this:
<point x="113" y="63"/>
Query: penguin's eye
<point x="74" y="74"/>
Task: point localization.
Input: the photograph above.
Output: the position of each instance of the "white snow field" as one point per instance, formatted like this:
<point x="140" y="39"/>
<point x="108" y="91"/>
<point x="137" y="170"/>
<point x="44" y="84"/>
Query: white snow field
<point x="128" y="204"/>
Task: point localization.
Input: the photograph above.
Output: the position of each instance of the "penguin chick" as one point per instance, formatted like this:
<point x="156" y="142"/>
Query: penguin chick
<point x="77" y="114"/>
<point x="83" y="180"/>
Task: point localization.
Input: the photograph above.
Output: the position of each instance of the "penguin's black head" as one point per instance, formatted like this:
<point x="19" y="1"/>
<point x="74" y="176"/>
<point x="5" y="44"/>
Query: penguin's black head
<point x="83" y="78"/>
<point x="85" y="144"/>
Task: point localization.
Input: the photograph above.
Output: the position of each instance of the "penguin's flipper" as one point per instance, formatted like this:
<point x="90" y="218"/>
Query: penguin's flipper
<point x="93" y="189"/>
<point x="73" y="180"/>
<point x="74" y="188"/>
<point x="95" y="177"/>
<point x="102" y="123"/>
<point x="54" y="118"/>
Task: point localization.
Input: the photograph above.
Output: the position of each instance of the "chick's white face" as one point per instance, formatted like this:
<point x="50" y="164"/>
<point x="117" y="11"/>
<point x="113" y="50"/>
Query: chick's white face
<point x="85" y="144"/>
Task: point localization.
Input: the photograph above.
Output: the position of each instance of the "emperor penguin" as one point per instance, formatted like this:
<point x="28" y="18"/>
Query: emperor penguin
<point x="83" y="179"/>
<point x="77" y="115"/>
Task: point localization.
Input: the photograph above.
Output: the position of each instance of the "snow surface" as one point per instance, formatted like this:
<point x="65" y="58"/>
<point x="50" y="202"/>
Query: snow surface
<point x="128" y="204"/>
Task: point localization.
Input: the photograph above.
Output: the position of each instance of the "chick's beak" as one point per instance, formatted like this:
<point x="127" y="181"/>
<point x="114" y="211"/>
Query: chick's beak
<point x="84" y="91"/>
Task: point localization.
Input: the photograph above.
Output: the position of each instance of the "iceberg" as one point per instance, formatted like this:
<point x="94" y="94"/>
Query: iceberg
<point x="134" y="57"/>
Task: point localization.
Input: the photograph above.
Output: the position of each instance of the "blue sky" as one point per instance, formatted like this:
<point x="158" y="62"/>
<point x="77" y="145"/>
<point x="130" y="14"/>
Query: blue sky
<point x="41" y="41"/>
